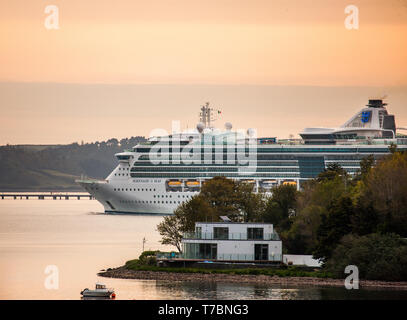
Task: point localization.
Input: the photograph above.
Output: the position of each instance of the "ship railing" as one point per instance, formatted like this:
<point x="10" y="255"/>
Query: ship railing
<point x="168" y="255"/>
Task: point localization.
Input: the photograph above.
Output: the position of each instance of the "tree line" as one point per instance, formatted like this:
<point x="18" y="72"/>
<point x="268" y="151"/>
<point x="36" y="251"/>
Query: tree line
<point x="56" y="166"/>
<point x="338" y="218"/>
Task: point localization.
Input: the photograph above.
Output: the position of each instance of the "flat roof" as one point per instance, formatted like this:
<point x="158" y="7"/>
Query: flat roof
<point x="232" y="222"/>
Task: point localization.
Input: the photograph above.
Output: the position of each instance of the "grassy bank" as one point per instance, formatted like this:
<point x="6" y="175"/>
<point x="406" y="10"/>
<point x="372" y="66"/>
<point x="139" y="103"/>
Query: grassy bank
<point x="290" y="271"/>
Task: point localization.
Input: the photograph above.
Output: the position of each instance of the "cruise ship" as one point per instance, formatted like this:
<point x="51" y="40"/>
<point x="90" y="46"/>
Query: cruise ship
<point x="156" y="176"/>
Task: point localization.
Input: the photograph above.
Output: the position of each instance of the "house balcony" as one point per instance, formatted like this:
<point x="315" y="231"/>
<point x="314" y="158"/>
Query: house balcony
<point x="230" y="236"/>
<point x="232" y="257"/>
<point x="219" y="257"/>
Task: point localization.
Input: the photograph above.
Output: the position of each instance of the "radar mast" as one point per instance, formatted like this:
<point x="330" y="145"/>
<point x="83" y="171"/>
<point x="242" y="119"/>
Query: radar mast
<point x="207" y="115"/>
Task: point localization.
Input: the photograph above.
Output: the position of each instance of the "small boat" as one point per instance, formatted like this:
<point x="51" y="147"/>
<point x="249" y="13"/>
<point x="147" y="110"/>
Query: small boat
<point x="99" y="291"/>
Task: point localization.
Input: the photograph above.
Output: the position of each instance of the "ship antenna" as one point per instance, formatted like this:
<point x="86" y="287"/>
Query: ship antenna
<point x="206" y="115"/>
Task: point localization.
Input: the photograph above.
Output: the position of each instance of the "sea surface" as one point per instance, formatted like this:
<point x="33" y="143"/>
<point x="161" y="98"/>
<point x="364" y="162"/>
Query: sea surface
<point x="80" y="240"/>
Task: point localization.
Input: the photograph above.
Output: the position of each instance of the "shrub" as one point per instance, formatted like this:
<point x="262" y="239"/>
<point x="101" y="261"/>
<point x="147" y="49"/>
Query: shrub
<point x="377" y="256"/>
<point x="148" y="258"/>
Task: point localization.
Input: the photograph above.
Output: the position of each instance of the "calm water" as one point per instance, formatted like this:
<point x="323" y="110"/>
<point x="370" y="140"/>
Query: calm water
<point x="80" y="240"/>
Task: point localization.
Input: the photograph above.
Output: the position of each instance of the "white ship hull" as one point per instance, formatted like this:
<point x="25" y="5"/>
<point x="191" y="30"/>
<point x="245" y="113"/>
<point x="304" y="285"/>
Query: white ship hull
<point x="149" y="197"/>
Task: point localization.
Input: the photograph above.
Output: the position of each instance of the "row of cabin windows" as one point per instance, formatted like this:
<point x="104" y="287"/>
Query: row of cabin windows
<point x="148" y="166"/>
<point x="229" y="174"/>
<point x="142" y="189"/>
<point x="146" y="202"/>
<point x="239" y="149"/>
<point x="292" y="157"/>
<point x="210" y="169"/>
<point x="209" y="175"/>
<point x="170" y="196"/>
<point x="288" y="163"/>
<point x="132" y="189"/>
<point x="123" y="174"/>
<point x="278" y="157"/>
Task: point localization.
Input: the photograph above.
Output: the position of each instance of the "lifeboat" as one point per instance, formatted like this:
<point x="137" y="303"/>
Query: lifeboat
<point x="272" y="181"/>
<point x="193" y="183"/>
<point x="290" y="183"/>
<point x="267" y="184"/>
<point x="174" y="183"/>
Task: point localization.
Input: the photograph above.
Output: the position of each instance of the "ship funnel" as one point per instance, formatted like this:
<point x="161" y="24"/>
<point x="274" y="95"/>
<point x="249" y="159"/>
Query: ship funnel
<point x="376" y="103"/>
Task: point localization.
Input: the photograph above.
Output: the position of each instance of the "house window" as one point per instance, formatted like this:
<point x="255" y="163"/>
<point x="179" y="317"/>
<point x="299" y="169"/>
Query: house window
<point x="201" y="251"/>
<point x="220" y="233"/>
<point x="261" y="251"/>
<point x="208" y="251"/>
<point x="198" y="231"/>
<point x="254" y="233"/>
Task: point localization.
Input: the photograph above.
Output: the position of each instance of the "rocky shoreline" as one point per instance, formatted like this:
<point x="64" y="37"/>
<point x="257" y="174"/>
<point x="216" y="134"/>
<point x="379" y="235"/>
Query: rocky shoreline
<point x="123" y="273"/>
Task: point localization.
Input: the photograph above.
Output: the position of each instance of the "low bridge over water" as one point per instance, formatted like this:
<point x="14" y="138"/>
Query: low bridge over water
<point x="45" y="195"/>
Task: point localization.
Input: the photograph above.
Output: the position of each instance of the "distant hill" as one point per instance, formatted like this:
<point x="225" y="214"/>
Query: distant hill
<point x="55" y="167"/>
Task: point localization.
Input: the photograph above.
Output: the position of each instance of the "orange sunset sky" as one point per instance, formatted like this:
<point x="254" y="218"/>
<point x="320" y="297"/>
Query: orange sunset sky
<point x="121" y="68"/>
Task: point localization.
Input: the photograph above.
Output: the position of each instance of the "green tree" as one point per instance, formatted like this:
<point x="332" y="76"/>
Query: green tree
<point x="365" y="219"/>
<point x="281" y="207"/>
<point x="302" y="236"/>
<point x="386" y="187"/>
<point x="197" y="209"/>
<point x="334" y="225"/>
<point x="331" y="172"/>
<point x="377" y="256"/>
<point x="393" y="148"/>
<point x="222" y="195"/>
<point x="366" y="165"/>
<point x="251" y="205"/>
<point x="170" y="231"/>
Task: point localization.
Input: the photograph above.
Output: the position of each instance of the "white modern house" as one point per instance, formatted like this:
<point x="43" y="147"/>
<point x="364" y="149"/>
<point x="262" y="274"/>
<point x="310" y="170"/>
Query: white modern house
<point x="232" y="241"/>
